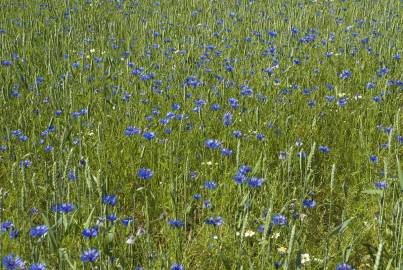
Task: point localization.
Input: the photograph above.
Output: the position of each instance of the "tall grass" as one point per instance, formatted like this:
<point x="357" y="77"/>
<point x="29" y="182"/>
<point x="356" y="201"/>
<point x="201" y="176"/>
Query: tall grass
<point x="319" y="94"/>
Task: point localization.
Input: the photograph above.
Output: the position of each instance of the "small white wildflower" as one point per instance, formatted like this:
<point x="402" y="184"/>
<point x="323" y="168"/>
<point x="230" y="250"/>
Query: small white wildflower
<point x="249" y="233"/>
<point x="282" y="250"/>
<point x="92" y="50"/>
<point x="130" y="240"/>
<point x="141" y="231"/>
<point x="275" y="235"/>
<point x="305" y="258"/>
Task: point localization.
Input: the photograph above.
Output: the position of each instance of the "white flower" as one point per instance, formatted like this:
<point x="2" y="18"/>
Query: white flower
<point x="130" y="240"/>
<point x="275" y="235"/>
<point x="305" y="258"/>
<point x="249" y="233"/>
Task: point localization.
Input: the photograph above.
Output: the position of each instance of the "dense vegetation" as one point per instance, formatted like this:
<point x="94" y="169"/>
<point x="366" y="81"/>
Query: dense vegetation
<point x="201" y="134"/>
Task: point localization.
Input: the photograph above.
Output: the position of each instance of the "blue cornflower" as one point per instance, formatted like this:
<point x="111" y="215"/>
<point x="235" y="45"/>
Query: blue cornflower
<point x="227" y="119"/>
<point x="215" y="221"/>
<point x="6" y="63"/>
<point x="111" y="217"/>
<point x="175" y="106"/>
<point x="309" y="203"/>
<point x="215" y="107"/>
<point x="75" y="114"/>
<point x="149" y="135"/>
<point x="197" y="196"/>
<point x="23" y="138"/>
<point x="71" y="175"/>
<point x="6" y="225"/>
<point x="90" y="232"/>
<point x="110" y="199"/>
<point x="342" y="102"/>
<point x="324" y="149"/>
<point x="272" y="33"/>
<point x="39" y="231"/>
<point x="14" y="233"/>
<point x="11" y="262"/>
<point x="15" y="133"/>
<point x="229" y="68"/>
<point x="63" y="208"/>
<point x="381" y="184"/>
<point x="388" y="130"/>
<point x="137" y="71"/>
<point x="244" y="169"/>
<point x="207" y="204"/>
<point x="279" y="220"/>
<point x="200" y="102"/>
<point x="25" y="163"/>
<point x="193" y="174"/>
<point x="239" y="178"/>
<point x="384" y="145"/>
<point x="260" y="136"/>
<point x="383" y="71"/>
<point x="177" y="266"/>
<point x="48" y="148"/>
<point x="370" y="85"/>
<point x="75" y="65"/>
<point x="130" y="131"/>
<point x="212" y="144"/>
<point x="373" y="159"/>
<point x="237" y="134"/>
<point x="90" y="255"/>
<point x="175" y="223"/>
<point x="344" y="266"/>
<point x="127" y="221"/>
<point x="255" y="182"/>
<point x="210" y="185"/>
<point x="234" y="103"/>
<point x="345" y="74"/>
<point x="145" y="173"/>
<point x="277" y="264"/>
<point x="330" y="98"/>
<point x="37" y="266"/>
<point x="3" y="148"/>
<point x="226" y="152"/>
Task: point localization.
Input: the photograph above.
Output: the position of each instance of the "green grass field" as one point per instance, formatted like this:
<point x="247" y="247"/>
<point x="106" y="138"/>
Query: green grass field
<point x="201" y="134"/>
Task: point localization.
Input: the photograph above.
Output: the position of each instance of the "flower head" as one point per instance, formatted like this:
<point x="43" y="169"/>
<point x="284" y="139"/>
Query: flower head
<point x="255" y="182"/>
<point x="177" y="266"/>
<point x="279" y="220"/>
<point x="344" y="266"/>
<point x="309" y="203"/>
<point x="11" y="262"/>
<point x="37" y="266"/>
<point x="90" y="255"/>
<point x="39" y="231"/>
<point x="145" y="173"/>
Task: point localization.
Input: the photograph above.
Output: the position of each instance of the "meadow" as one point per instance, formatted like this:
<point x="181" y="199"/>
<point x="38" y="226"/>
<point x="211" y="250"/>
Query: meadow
<point x="201" y="134"/>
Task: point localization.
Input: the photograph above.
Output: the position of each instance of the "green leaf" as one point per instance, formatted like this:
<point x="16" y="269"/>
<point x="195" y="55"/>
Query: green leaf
<point x="400" y="173"/>
<point x="341" y="228"/>
<point x="88" y="222"/>
<point x="373" y="192"/>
